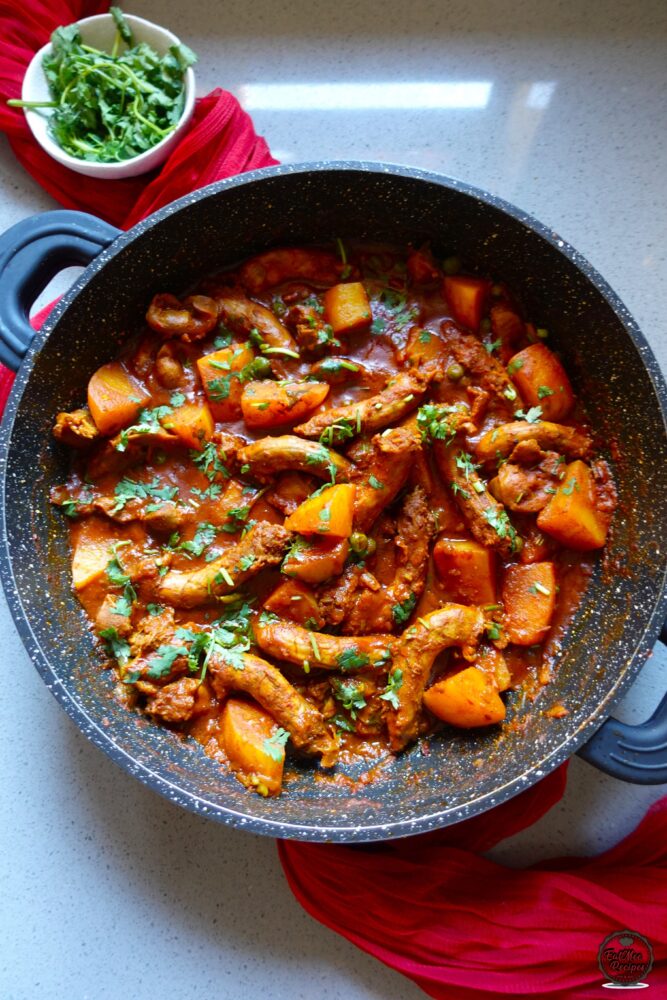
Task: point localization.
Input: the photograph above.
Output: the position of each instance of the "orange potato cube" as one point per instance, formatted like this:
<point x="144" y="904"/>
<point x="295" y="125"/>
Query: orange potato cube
<point x="529" y="598"/>
<point x="542" y="381"/>
<point x="571" y="516"/>
<point x="329" y="513"/>
<point x="219" y="373"/>
<point x="296" y="601"/>
<point x="425" y="346"/>
<point x="269" y="404"/>
<point x="467" y="298"/>
<point x="492" y="662"/>
<point x="467" y="569"/>
<point x="316" y="560"/>
<point x="347" y="308"/>
<point x="245" y="729"/>
<point x="114" y="398"/>
<point x="192" y="423"/>
<point x="467" y="699"/>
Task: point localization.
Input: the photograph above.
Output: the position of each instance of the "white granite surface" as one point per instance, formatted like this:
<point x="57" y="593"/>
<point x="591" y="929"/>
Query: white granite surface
<point x="109" y="891"/>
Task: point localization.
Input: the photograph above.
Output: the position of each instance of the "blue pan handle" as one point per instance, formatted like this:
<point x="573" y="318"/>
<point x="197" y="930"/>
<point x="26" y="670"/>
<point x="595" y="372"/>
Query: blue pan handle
<point x="632" y="753"/>
<point x="31" y="253"/>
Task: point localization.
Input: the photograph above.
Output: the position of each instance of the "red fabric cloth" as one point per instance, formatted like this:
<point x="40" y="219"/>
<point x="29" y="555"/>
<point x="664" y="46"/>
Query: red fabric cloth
<point x="455" y="923"/>
<point x="461" y="926"/>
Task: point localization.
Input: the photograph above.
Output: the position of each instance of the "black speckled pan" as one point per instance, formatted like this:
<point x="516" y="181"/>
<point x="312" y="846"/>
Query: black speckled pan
<point x="614" y="371"/>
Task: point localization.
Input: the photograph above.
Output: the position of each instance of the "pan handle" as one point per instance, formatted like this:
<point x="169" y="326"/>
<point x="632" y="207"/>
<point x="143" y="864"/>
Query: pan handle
<point x="31" y="253"/>
<point x="632" y="753"/>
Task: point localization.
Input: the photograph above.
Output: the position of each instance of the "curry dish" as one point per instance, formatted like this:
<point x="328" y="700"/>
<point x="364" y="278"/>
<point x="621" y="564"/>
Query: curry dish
<point x="337" y="498"/>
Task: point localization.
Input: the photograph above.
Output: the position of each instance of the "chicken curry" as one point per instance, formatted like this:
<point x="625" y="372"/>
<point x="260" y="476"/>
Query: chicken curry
<point x="335" y="499"/>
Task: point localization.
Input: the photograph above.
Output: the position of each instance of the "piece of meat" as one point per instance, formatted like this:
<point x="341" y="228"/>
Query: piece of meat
<point x="290" y="264"/>
<point x="499" y="442"/>
<point x="192" y="319"/>
<point x="265" y="683"/>
<point x="337" y="598"/>
<point x="337" y="371"/>
<point x="108" y="459"/>
<point x="263" y="545"/>
<point x="168" y="368"/>
<point x="486" y="518"/>
<point x="414" y="654"/>
<point x="174" y="702"/>
<point x="152" y="631"/>
<point x="288" y="641"/>
<point x="313" y="333"/>
<point x="385" y="460"/>
<point x="527" y="489"/>
<point x="76" y="429"/>
<point x="244" y="316"/>
<point x="271" y="455"/>
<point x="401" y="395"/>
<point x="484" y="369"/>
<point x="373" y="610"/>
<point x="107" y="617"/>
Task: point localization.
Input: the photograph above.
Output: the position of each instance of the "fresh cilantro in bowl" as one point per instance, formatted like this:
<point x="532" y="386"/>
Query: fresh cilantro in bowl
<point x="111" y="106"/>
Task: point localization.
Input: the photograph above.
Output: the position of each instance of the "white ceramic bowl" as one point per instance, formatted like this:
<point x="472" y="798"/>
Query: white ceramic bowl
<point x="100" y="31"/>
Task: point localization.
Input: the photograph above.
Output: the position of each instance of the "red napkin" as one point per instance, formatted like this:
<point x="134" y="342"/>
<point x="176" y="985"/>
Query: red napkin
<point x="455" y="923"/>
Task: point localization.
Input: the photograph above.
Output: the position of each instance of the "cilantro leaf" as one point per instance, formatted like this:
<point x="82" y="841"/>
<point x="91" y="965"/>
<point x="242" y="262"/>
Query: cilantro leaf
<point x="351" y="659"/>
<point x="394" y="685"/>
<point x="275" y="745"/>
<point x="532" y="415"/>
<point x="401" y="612"/>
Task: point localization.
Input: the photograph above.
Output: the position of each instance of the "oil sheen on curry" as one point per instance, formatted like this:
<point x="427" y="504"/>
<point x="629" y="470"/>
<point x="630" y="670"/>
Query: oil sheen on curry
<point x="330" y="502"/>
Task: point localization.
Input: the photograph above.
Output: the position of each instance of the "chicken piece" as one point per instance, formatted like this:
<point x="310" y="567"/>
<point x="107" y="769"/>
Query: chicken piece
<point x="376" y="609"/>
<point x="174" y="702"/>
<point x="109" y="458"/>
<point x="275" y="266"/>
<point x="190" y="320"/>
<point x="422" y="268"/>
<point x="168" y="368"/>
<point x="414" y="655"/>
<point x="76" y="429"/>
<point x="338" y="371"/>
<point x="337" y="598"/>
<point x="271" y="455"/>
<point x="287" y="641"/>
<point x="401" y="395"/>
<point x="152" y="631"/>
<point x="266" y="684"/>
<point x="486" y="518"/>
<point x="313" y="333"/>
<point x="243" y="316"/>
<point x="381" y="472"/>
<point x="499" y="442"/>
<point x="527" y="490"/>
<point x="168" y="517"/>
<point x="485" y="370"/>
<point x="263" y="545"/>
<point x="107" y="617"/>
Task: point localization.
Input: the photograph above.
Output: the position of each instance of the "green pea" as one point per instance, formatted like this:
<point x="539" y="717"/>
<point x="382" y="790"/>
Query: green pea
<point x="451" y="265"/>
<point x="455" y="372"/>
<point x="358" y="541"/>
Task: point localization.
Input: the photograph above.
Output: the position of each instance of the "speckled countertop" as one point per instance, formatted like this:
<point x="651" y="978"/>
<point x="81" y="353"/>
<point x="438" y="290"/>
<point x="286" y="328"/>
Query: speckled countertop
<point x="110" y="891"/>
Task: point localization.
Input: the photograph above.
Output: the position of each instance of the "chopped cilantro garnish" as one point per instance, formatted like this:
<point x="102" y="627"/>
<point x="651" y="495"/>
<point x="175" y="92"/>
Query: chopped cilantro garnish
<point x="177" y="399"/>
<point x="349" y="695"/>
<point x="351" y="659"/>
<point x="532" y="415"/>
<point x="514" y="366"/>
<point x="116" y="646"/>
<point x="571" y="486"/>
<point x="204" y="536"/>
<point x="375" y="483"/>
<point x="394" y="685"/>
<point x="543" y="391"/>
<point x="434" y="421"/>
<point x="275" y="745"/>
<point x="401" y="612"/>
<point x="501" y="524"/>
